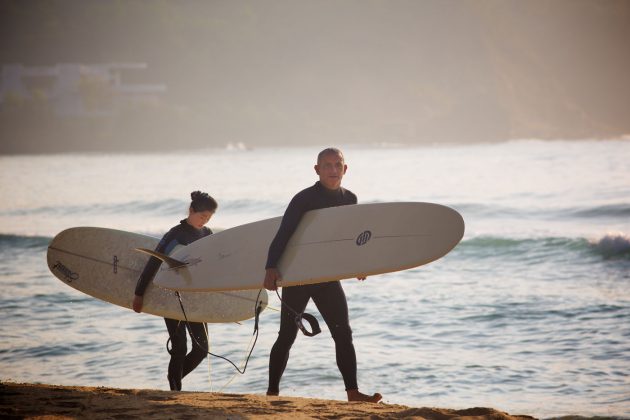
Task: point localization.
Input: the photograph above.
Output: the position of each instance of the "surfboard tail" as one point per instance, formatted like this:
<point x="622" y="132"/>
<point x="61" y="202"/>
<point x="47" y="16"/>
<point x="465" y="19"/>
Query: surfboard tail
<point x="170" y="261"/>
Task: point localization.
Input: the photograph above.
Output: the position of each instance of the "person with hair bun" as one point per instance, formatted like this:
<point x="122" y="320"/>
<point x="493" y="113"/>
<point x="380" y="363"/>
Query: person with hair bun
<point x="201" y="209"/>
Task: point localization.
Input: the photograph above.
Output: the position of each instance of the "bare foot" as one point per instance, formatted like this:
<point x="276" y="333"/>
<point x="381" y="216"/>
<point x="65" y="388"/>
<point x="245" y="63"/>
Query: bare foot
<point x="272" y="394"/>
<point x="355" y="395"/>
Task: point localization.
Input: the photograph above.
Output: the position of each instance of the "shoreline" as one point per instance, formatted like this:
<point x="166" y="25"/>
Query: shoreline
<point x="27" y="400"/>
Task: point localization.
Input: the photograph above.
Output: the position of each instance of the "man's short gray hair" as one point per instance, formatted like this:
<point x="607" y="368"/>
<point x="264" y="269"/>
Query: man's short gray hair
<point x="329" y="151"/>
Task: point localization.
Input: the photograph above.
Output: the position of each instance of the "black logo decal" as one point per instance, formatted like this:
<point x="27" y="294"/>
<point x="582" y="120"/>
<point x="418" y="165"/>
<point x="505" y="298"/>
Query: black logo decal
<point x="363" y="237"/>
<point x="115" y="264"/>
<point x="69" y="274"/>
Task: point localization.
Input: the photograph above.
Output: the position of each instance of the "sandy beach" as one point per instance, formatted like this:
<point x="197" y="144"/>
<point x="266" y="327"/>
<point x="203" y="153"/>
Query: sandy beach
<point x="68" y="402"/>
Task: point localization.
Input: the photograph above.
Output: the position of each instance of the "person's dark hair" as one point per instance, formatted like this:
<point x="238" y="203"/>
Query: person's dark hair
<point x="201" y="201"/>
<point x="329" y="150"/>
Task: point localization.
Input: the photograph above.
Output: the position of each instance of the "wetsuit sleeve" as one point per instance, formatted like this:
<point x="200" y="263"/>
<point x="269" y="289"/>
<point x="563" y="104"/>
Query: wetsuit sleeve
<point x="153" y="265"/>
<point x="290" y="222"/>
<point x="353" y="198"/>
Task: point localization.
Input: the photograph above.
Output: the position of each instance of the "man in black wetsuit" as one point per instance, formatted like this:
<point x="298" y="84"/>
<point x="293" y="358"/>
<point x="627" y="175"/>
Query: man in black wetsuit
<point x="329" y="297"/>
<point x="202" y="207"/>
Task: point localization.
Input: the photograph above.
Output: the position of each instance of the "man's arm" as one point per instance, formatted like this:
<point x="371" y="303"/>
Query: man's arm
<point x="290" y="222"/>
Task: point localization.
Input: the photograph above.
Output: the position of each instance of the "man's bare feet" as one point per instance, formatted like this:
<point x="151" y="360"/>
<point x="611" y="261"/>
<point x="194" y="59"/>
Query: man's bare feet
<point x="272" y="394"/>
<point x="355" y="395"/>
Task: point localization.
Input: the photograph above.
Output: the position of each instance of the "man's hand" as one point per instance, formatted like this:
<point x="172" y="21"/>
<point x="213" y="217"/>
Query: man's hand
<point x="137" y="303"/>
<point x="272" y="278"/>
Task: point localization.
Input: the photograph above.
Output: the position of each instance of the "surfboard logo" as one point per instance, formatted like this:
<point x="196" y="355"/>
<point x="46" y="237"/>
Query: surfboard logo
<point x="68" y="274"/>
<point x="363" y="237"/>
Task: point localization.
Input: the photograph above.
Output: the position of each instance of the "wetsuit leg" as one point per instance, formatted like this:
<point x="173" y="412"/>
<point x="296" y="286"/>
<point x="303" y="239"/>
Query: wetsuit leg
<point x="177" y="334"/>
<point x="199" y="338"/>
<point x="332" y="305"/>
<point x="295" y="297"/>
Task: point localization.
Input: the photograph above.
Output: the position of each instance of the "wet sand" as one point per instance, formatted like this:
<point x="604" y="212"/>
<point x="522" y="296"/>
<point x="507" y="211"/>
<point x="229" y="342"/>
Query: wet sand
<point x="43" y="401"/>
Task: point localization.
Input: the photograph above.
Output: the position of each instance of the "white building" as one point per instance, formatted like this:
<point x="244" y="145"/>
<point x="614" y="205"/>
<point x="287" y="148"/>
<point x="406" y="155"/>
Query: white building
<point x="64" y="85"/>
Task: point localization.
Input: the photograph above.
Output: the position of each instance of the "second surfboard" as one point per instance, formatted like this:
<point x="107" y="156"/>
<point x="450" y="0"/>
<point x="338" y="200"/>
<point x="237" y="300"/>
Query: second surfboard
<point x="329" y="244"/>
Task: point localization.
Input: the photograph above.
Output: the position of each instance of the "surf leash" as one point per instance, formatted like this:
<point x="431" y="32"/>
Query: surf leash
<point x="299" y="316"/>
<point x="257" y="310"/>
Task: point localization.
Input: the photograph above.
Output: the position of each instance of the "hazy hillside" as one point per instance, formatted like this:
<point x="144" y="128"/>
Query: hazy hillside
<point x="295" y="72"/>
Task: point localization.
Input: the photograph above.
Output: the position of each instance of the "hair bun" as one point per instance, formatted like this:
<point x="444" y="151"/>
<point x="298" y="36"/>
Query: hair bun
<point x="202" y="201"/>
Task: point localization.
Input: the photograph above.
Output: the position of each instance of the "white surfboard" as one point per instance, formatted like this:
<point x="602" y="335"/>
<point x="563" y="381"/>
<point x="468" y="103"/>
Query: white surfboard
<point x="103" y="263"/>
<point x="329" y="244"/>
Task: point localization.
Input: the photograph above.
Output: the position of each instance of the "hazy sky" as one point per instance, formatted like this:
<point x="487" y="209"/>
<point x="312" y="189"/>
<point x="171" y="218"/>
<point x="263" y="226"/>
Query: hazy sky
<point x="293" y="72"/>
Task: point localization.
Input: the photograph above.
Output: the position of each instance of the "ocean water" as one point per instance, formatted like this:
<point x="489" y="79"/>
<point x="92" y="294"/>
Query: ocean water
<point x="529" y="314"/>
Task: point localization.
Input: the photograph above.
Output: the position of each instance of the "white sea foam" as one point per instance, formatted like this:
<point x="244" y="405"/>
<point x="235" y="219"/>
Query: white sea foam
<point x="613" y="245"/>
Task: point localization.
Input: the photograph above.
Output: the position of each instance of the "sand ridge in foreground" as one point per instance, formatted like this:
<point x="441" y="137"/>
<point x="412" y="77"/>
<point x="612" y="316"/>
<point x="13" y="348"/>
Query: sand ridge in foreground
<point x="69" y="402"/>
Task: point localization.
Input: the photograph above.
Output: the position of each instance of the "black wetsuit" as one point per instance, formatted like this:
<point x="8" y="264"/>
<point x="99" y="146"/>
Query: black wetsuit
<point x="328" y="297"/>
<point x="181" y="364"/>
